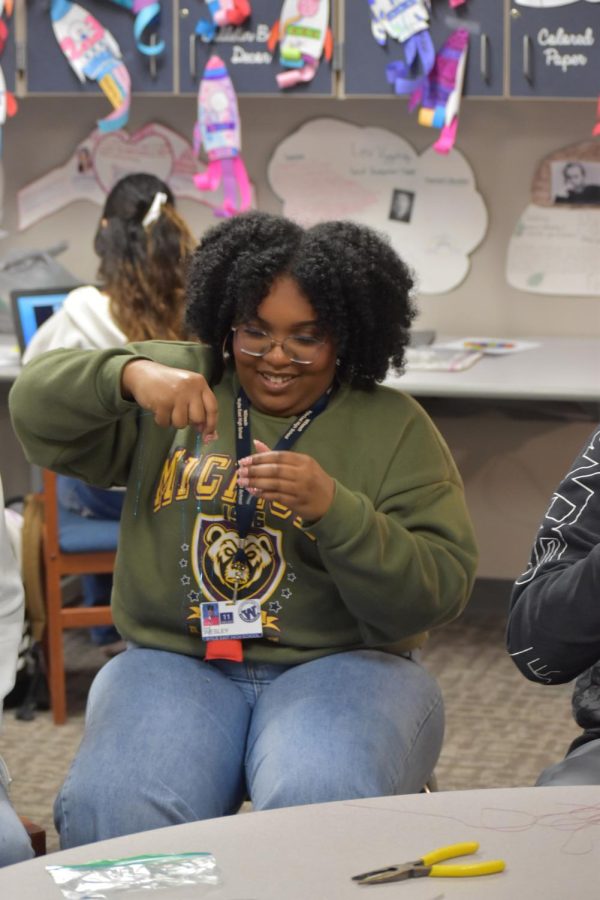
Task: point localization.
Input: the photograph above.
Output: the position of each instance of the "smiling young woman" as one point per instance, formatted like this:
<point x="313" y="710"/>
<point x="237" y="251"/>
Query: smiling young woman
<point x="274" y="381"/>
<point x="276" y="576"/>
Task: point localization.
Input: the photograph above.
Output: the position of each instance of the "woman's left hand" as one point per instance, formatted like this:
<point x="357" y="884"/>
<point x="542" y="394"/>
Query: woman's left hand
<point x="293" y="479"/>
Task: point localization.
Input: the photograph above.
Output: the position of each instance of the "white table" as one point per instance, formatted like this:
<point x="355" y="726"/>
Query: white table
<point x="10" y="364"/>
<point x="548" y="837"/>
<point x="557" y="369"/>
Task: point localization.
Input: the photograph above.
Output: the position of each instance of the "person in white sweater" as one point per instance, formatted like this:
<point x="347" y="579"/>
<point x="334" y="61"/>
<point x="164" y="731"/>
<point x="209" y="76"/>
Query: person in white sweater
<point x="15" y="845"/>
<point x="143" y="245"/>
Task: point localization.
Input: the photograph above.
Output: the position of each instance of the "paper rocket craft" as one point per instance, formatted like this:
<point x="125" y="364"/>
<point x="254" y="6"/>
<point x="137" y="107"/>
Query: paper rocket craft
<point x="3" y="25"/>
<point x="398" y="20"/>
<point x="222" y="12"/>
<point x="218" y="131"/>
<point x="147" y="15"/>
<point x="8" y="105"/>
<point x="303" y="34"/>
<point x="93" y="53"/>
<point x="408" y="23"/>
<point x="440" y="93"/>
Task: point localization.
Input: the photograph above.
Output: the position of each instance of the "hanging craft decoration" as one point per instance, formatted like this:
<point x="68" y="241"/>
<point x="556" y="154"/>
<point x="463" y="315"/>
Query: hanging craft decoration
<point x="218" y="131"/>
<point x="440" y="93"/>
<point x="407" y="23"/>
<point x="8" y="103"/>
<point x="222" y="12"/>
<point x="303" y="34"/>
<point x="6" y="6"/>
<point x="93" y="52"/>
<point x="147" y="15"/>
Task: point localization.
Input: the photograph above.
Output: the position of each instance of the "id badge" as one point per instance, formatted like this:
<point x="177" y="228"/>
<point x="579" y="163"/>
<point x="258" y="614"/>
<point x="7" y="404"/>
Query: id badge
<point x="222" y="620"/>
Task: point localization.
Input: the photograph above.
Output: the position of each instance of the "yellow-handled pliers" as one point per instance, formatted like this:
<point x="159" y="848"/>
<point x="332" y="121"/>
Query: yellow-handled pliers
<point x="428" y="865"/>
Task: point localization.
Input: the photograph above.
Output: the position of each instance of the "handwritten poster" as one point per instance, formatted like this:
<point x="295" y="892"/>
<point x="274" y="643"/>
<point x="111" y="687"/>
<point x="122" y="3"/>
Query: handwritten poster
<point x="555" y="246"/>
<point x="100" y="160"/>
<point x="330" y="169"/>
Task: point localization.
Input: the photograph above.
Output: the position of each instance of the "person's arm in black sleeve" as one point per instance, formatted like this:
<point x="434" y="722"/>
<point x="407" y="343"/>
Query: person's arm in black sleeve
<point x="553" y="629"/>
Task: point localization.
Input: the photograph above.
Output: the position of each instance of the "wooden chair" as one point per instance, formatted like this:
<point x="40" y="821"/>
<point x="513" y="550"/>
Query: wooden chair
<point x="37" y="835"/>
<point x="72" y="545"/>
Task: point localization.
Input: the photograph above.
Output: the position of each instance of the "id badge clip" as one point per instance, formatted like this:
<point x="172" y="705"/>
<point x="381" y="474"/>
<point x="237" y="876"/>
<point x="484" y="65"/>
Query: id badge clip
<point x="226" y="620"/>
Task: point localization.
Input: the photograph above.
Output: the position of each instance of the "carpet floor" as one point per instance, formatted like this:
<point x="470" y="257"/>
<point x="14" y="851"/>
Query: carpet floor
<point x="501" y="730"/>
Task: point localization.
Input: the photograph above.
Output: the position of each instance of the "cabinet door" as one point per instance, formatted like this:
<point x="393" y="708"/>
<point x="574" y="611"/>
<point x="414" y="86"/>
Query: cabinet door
<point x="364" y="61"/>
<point x="48" y="71"/>
<point x="251" y="66"/>
<point x="555" y="52"/>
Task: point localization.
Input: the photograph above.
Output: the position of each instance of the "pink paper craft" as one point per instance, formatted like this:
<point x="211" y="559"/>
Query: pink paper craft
<point x="218" y="131"/>
<point x="303" y="34"/>
<point x="93" y="53"/>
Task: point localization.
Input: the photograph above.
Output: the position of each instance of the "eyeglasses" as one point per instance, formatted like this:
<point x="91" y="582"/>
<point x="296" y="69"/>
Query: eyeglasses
<point x="299" y="348"/>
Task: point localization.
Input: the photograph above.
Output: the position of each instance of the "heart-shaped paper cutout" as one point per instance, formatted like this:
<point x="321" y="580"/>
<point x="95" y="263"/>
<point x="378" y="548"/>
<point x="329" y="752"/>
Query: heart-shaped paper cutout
<point x="118" y="154"/>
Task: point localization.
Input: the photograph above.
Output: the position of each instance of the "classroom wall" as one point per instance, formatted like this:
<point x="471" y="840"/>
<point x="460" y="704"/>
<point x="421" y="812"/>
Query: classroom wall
<point x="502" y="139"/>
<point x="507" y="486"/>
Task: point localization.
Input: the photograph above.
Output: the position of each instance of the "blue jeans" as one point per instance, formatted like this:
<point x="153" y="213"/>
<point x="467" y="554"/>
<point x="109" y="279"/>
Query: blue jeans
<point x="95" y="503"/>
<point x="172" y="739"/>
<point x="15" y="845"/>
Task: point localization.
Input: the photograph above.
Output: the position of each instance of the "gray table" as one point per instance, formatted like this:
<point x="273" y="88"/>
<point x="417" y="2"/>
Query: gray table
<point x="548" y="837"/>
<point x="558" y="369"/>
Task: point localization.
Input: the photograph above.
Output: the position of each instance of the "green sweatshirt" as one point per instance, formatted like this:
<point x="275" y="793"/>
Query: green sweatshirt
<point x="393" y="556"/>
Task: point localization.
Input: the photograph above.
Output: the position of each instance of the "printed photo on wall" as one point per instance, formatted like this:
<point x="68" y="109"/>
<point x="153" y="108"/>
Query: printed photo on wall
<point x="402" y="205"/>
<point x="576" y="182"/>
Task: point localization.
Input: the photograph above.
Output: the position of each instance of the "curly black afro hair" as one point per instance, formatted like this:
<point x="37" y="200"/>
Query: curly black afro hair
<point x="357" y="284"/>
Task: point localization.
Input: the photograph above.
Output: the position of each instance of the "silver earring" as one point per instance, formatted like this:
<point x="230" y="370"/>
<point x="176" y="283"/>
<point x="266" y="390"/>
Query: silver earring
<point x="224" y="351"/>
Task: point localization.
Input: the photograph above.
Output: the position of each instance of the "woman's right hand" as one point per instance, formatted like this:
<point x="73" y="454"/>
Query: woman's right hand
<point x="175" y="397"/>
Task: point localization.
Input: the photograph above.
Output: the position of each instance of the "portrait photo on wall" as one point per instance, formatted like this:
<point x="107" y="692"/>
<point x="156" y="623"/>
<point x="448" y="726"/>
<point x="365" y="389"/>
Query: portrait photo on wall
<point x="576" y="182"/>
<point x="402" y="206"/>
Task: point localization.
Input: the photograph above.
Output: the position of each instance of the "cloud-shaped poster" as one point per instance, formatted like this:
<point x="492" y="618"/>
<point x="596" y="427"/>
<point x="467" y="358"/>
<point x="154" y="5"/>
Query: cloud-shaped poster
<point x="555" y="246"/>
<point x="330" y="169"/>
<point x="546" y="4"/>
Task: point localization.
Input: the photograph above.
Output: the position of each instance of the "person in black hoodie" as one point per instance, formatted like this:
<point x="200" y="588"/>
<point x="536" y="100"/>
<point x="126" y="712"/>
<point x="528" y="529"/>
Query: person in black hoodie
<point x="553" y="632"/>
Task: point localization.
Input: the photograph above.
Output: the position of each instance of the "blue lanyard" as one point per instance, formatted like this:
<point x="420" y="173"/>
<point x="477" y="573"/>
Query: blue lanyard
<point x="245" y="504"/>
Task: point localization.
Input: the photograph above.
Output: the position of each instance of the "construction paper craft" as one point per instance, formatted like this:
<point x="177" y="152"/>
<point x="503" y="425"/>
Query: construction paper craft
<point x="101" y="159"/>
<point x="8" y="105"/>
<point x="218" y="131"/>
<point x="555" y="246"/>
<point x="3" y="34"/>
<point x="490" y="346"/>
<point x="400" y="21"/>
<point x="407" y="23"/>
<point x="147" y="15"/>
<point x="441" y="358"/>
<point x="546" y="4"/>
<point x="303" y="34"/>
<point x="330" y="169"/>
<point x="93" y="53"/>
<point x="222" y="12"/>
<point x="439" y="93"/>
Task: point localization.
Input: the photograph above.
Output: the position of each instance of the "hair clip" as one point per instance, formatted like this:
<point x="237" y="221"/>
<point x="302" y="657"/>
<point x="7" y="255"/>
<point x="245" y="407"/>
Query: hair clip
<point x="155" y="207"/>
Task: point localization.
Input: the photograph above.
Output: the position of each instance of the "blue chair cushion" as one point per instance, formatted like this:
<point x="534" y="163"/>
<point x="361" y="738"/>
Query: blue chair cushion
<point x="81" y="534"/>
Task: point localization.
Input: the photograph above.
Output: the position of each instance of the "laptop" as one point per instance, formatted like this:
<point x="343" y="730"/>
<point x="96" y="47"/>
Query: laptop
<point x="31" y="307"/>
